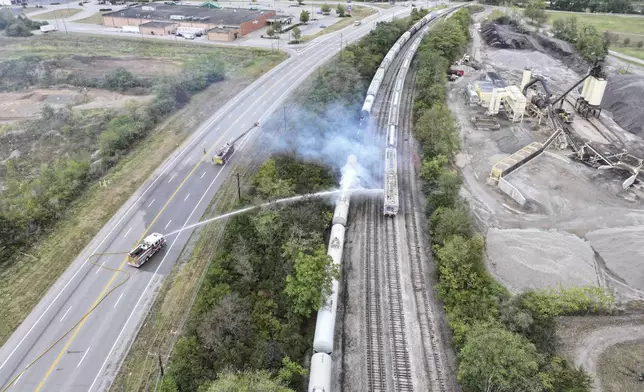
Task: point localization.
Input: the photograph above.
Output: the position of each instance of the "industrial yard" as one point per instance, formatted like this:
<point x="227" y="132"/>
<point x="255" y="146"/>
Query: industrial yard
<point x="555" y="220"/>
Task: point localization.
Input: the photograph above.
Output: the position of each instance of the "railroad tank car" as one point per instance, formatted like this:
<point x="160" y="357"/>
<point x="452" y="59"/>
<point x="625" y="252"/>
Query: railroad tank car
<point x="320" y="375"/>
<point x="366" y="109"/>
<point x="341" y="210"/>
<point x="325" y="323"/>
<point x="392" y="134"/>
<point x="391" y="182"/>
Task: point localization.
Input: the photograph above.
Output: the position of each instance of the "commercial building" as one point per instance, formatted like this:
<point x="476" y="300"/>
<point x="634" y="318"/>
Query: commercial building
<point x="219" y="24"/>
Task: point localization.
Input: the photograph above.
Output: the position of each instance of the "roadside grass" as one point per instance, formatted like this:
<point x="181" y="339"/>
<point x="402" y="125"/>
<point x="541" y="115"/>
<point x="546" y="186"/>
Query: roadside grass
<point x="57" y="14"/>
<point x="28" y="11"/>
<point x="619" y="367"/>
<point x="630" y="51"/>
<point x="358" y="13"/>
<point x="40" y="266"/>
<point x="96" y="19"/>
<point x="615" y="24"/>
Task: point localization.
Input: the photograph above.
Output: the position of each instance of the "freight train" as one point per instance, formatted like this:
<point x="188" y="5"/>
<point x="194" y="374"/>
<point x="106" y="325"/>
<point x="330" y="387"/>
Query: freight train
<point x="365" y="113"/>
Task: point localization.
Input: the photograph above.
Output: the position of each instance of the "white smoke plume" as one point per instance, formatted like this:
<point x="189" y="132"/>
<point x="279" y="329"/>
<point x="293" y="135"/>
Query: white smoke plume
<point x="333" y="138"/>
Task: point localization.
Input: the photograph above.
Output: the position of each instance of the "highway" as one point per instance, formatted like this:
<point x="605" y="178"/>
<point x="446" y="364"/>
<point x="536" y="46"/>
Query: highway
<point x="175" y="196"/>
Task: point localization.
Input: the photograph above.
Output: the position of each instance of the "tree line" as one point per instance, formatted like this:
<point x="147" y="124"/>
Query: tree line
<point x="604" y="6"/>
<point x="20" y="26"/>
<point x="587" y="40"/>
<point x="503" y="341"/>
<point x="31" y="203"/>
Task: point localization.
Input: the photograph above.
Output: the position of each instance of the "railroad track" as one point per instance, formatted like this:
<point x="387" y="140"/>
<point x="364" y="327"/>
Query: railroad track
<point x="376" y="352"/>
<point x="432" y="360"/>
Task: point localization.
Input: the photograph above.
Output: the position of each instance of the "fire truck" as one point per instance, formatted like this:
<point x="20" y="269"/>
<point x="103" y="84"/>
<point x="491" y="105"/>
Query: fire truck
<point x="226" y="151"/>
<point x="146" y="249"/>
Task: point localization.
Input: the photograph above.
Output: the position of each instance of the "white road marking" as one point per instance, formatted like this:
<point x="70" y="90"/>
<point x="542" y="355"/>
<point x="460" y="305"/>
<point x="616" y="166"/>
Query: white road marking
<point x="204" y="173"/>
<point x="188" y="195"/>
<point x="117" y="301"/>
<point x="167" y="224"/>
<point x="151" y="203"/>
<point x="218" y="126"/>
<point x="242" y="126"/>
<point x="255" y="93"/>
<point x="230" y="115"/>
<point x="84" y="355"/>
<point x="274" y="92"/>
<point x="255" y="112"/>
<point x="127" y="232"/>
<point x="65" y="315"/>
<point x="172" y="178"/>
<point x="18" y="379"/>
<point x="98" y="269"/>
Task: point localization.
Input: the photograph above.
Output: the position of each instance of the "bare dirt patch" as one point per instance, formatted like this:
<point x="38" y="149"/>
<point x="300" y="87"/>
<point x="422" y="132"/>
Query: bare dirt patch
<point x="97" y="66"/>
<point x="27" y="104"/>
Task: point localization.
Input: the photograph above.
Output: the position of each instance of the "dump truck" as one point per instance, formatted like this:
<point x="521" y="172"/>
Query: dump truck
<point x="48" y="28"/>
<point x="145" y="250"/>
<point x="226" y="151"/>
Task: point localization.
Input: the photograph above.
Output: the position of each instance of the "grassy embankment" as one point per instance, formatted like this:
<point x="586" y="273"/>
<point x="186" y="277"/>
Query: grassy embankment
<point x="358" y="13"/>
<point x="97" y="19"/>
<point x="625" y="26"/>
<point x="57" y="14"/>
<point x="58" y="247"/>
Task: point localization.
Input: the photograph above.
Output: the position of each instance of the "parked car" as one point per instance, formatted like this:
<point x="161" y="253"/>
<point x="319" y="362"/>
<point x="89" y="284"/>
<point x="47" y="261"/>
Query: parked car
<point x="357" y="23"/>
<point x="188" y="36"/>
<point x="323" y="26"/>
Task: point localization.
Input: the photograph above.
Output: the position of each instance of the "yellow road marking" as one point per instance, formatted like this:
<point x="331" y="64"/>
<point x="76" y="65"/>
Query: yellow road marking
<point x="60" y="355"/>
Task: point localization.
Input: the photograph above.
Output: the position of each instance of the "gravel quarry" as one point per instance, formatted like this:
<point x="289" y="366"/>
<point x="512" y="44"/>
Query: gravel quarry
<point x="577" y="226"/>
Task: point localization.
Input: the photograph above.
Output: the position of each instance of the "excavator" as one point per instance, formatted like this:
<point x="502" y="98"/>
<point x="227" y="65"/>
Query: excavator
<point x="226" y="151"/>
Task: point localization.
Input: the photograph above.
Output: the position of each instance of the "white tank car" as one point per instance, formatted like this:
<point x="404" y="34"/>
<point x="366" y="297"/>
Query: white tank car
<point x="320" y="375"/>
<point x="341" y="210"/>
<point x="375" y="82"/>
<point x="325" y="323"/>
<point x="366" y="108"/>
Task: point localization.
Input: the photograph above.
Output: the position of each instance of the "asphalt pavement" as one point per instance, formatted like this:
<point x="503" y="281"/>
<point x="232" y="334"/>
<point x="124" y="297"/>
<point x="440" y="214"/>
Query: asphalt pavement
<point x="175" y="196"/>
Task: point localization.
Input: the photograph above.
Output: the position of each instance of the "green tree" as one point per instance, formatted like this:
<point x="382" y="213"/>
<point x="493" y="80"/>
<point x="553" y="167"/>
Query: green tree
<point x="565" y="29"/>
<point x="6" y="18"/>
<point x="494" y="359"/>
<point x="448" y="39"/>
<point x="640" y="44"/>
<point x="536" y="11"/>
<point x="305" y="16"/>
<point x="627" y="41"/>
<point x="590" y="44"/>
<point x="291" y="372"/>
<point x="340" y="10"/>
<point x="559" y="376"/>
<point x="447" y="188"/>
<point x="447" y="222"/>
<point x="120" y="79"/>
<point x="168" y="385"/>
<point x="311" y="281"/>
<point x="277" y="26"/>
<point x="270" y="31"/>
<point x="431" y="169"/>
<point x="18" y="29"/>
<point x="188" y="368"/>
<point x="269" y="185"/>
<point x="300" y="2"/>
<point x="436" y="131"/>
<point x="325" y="8"/>
<point x="297" y="34"/>
<point x="248" y="381"/>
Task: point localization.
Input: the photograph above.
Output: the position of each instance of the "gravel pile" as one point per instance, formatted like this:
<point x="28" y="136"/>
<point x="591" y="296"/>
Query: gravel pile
<point x="537" y="259"/>
<point x="622" y="249"/>
<point x="624" y="98"/>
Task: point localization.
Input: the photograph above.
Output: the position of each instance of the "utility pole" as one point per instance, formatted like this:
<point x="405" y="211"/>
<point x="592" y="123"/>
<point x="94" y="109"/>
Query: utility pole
<point x="238" y="188"/>
<point x="160" y="364"/>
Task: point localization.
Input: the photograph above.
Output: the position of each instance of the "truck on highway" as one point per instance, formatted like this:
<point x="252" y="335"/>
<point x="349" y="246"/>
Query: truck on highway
<point x="226" y="151"/>
<point x="48" y="28"/>
<point x="131" y="29"/>
<point x="146" y="249"/>
<point x="185" y="31"/>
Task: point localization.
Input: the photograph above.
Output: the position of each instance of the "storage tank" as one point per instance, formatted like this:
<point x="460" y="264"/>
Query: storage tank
<point x="325" y="323"/>
<point x="597" y="93"/>
<point x="584" y="90"/>
<point x="591" y="85"/>
<point x="527" y="74"/>
<point x="320" y="376"/>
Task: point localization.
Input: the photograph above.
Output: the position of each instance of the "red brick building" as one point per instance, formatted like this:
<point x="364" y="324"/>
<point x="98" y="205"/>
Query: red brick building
<point x="226" y="24"/>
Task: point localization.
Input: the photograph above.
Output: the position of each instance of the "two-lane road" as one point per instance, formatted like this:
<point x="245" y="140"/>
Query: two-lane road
<point x="175" y="196"/>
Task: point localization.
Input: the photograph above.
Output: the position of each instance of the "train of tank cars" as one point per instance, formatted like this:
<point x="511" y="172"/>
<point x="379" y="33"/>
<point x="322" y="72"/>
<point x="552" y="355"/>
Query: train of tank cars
<point x="320" y="374"/>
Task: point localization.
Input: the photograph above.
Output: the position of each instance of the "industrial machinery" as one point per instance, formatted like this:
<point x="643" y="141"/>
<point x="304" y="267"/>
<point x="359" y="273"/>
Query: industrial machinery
<point x="226" y="151"/>
<point x="145" y="250"/>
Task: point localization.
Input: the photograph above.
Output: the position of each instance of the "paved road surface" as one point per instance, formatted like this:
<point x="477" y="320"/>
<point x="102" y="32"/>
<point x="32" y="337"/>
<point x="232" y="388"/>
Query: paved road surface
<point x="176" y="195"/>
<point x="626" y="57"/>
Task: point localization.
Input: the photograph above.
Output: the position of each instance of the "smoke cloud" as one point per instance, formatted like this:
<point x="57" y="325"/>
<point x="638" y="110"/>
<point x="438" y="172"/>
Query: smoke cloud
<point x="331" y="136"/>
